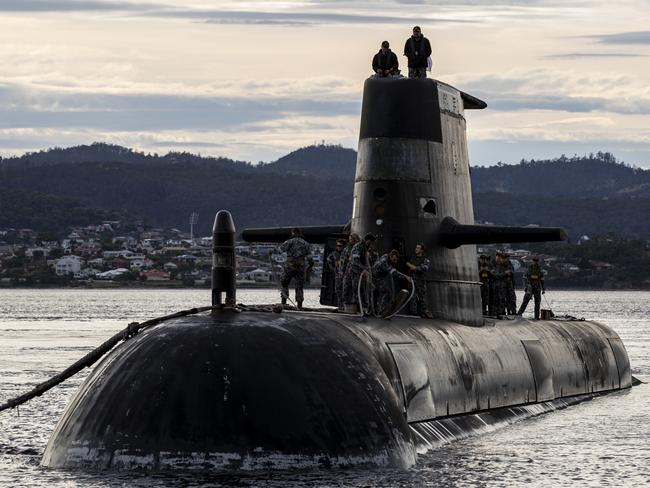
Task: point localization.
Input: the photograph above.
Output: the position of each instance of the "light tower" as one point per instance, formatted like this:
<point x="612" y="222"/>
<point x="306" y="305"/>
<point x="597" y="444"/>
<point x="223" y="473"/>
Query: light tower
<point x="194" y="218"/>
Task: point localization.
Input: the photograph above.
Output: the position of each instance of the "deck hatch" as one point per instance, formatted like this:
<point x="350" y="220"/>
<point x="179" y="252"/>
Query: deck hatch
<point x="414" y="378"/>
<point x="542" y="371"/>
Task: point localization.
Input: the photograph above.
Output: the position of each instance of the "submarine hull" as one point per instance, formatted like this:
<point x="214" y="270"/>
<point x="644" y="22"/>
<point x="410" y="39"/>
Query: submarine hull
<point x="259" y="390"/>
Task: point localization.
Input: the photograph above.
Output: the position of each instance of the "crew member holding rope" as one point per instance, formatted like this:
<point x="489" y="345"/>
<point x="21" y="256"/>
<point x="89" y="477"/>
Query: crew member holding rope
<point x="385" y="275"/>
<point x="359" y="262"/>
<point x="418" y="267"/>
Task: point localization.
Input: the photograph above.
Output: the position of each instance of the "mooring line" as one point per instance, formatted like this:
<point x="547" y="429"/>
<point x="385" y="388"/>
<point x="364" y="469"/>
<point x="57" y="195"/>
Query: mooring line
<point x="93" y="356"/>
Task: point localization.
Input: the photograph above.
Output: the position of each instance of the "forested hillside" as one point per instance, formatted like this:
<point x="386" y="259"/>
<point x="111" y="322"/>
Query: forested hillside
<point x="593" y="176"/>
<point x="62" y="187"/>
<point x="49" y="213"/>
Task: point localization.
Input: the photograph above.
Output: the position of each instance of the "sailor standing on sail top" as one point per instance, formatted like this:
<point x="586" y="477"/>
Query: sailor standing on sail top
<point x="417" y="49"/>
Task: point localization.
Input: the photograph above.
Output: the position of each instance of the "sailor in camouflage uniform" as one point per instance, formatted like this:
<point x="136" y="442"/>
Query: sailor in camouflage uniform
<point x="359" y="262"/>
<point x="534" y="287"/>
<point x="344" y="276"/>
<point x="485" y="275"/>
<point x="510" y="295"/>
<point x="500" y="278"/>
<point x="335" y="264"/>
<point x="298" y="252"/>
<point x="384" y="276"/>
<point x="418" y="267"/>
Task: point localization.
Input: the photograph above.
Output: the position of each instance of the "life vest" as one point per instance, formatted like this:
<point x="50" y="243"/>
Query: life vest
<point x="534" y="273"/>
<point x="384" y="60"/>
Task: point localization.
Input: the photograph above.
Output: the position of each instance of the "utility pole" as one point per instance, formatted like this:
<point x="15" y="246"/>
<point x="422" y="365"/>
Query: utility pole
<point x="194" y="218"/>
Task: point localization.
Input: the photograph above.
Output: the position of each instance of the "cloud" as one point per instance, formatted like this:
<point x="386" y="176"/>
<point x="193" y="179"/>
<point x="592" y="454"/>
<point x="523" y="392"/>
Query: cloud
<point x="301" y="14"/>
<point x="299" y="18"/>
<point x="556" y="90"/>
<point x="638" y="37"/>
<point x="66" y="6"/>
<point x="595" y="55"/>
<point x="26" y="108"/>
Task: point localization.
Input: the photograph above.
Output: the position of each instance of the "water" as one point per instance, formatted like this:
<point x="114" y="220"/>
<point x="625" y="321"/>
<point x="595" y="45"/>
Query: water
<point x="602" y="442"/>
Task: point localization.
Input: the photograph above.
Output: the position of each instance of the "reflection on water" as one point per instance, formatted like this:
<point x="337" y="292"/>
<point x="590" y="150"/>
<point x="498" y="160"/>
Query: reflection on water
<point x="602" y="442"/>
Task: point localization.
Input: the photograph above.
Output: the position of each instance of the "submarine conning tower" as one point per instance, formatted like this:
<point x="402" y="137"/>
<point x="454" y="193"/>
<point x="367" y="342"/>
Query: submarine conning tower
<point x="412" y="171"/>
<point x="413" y="185"/>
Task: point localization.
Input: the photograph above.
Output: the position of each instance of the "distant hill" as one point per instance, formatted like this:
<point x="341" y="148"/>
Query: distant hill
<point x="317" y="161"/>
<point x="313" y="185"/>
<point x="165" y="190"/>
<point x="580" y="216"/>
<point x="593" y="176"/>
<point x="48" y="213"/>
<point x="99" y="152"/>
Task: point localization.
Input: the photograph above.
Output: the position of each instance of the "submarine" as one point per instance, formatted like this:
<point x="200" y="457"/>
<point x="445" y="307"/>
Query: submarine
<point x="255" y="387"/>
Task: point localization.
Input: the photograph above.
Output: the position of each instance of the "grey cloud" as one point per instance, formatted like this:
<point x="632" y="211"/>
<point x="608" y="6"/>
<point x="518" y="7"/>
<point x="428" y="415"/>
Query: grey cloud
<point x="514" y="101"/>
<point x="217" y="16"/>
<point x="595" y="55"/>
<point x="639" y="37"/>
<point x="21" y="108"/>
<point x="184" y="144"/>
<point x="519" y="92"/>
<point x="65" y="6"/>
<point x="301" y="18"/>
<point x="478" y="3"/>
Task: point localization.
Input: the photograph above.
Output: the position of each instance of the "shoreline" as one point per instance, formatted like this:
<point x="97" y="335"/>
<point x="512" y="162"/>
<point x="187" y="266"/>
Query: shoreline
<point x="112" y="285"/>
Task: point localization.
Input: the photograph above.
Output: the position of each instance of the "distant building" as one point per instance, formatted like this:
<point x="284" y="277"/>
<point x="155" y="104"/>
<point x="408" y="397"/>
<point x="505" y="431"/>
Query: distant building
<point x="259" y="275"/>
<point x="68" y="264"/>
<point x="155" y="275"/>
<point x="112" y="274"/>
<point x="29" y="252"/>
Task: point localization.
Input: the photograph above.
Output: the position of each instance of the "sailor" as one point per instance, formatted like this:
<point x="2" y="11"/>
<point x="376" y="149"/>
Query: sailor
<point x="334" y="264"/>
<point x="510" y="295"/>
<point x="359" y="262"/>
<point x="417" y="49"/>
<point x="346" y="277"/>
<point x="385" y="62"/>
<point x="485" y="275"/>
<point x="534" y="287"/>
<point x="385" y="274"/>
<point x="298" y="253"/>
<point x="492" y="298"/>
<point x="418" y="267"/>
<point x="500" y="278"/>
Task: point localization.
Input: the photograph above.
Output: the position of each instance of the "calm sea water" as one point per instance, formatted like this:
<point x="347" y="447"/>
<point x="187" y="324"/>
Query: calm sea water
<point x="602" y="442"/>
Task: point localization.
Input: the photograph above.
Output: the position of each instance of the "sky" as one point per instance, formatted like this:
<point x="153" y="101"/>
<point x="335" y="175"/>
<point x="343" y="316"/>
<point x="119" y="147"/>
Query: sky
<point x="253" y="80"/>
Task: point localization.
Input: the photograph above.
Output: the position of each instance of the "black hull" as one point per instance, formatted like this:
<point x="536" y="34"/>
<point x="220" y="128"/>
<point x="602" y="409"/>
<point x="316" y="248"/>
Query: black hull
<point x="260" y="390"/>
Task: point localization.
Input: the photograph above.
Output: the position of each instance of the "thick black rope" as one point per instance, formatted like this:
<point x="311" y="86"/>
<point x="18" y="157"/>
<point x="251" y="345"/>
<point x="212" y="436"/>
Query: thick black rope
<point x="96" y="354"/>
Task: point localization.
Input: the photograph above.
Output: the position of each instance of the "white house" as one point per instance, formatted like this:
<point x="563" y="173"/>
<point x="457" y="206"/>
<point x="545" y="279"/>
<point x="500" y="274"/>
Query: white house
<point x="68" y="264"/>
<point x="113" y="273"/>
<point x="259" y="275"/>
<point x="139" y="261"/>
